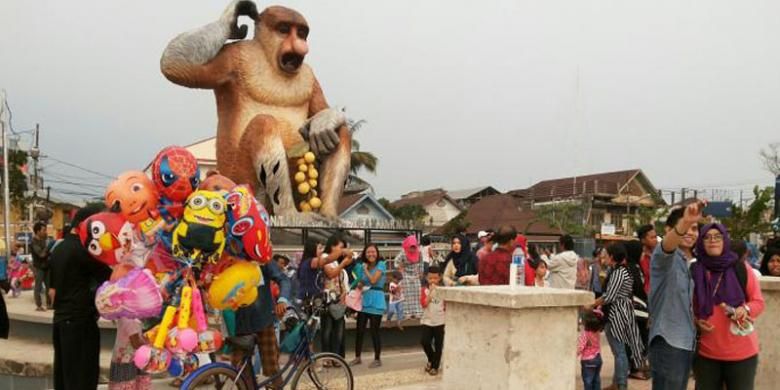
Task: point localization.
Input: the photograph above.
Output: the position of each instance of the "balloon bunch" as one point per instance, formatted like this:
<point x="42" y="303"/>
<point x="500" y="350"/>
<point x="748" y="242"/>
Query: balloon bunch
<point x="177" y="243"/>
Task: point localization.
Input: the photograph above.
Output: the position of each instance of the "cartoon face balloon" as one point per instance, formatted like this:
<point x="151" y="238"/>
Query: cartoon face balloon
<point x="107" y="236"/>
<point x="248" y="226"/>
<point x="133" y="195"/>
<point x="175" y="173"/>
<point x="200" y="235"/>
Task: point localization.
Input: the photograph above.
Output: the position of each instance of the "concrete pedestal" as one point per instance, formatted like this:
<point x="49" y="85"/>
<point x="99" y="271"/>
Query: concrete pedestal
<point x="500" y="338"/>
<point x="768" y="328"/>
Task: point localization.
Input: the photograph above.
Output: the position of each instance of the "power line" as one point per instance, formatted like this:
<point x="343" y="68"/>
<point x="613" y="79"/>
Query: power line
<point x="74" y="183"/>
<point x="65" y="176"/>
<point x="79" y="167"/>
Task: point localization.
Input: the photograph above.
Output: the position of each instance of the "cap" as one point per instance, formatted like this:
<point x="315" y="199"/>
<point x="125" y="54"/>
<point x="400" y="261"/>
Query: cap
<point x="482" y="233"/>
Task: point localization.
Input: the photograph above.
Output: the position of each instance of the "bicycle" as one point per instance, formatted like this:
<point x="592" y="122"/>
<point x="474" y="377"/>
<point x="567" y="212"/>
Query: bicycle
<point x="304" y="370"/>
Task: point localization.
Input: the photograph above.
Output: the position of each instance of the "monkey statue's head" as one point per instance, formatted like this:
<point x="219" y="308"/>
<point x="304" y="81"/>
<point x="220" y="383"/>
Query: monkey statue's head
<point x="282" y="33"/>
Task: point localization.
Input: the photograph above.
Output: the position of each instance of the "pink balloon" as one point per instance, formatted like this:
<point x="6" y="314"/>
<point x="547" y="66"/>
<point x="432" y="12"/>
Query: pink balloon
<point x="135" y="295"/>
<point x="188" y="339"/>
<point x="152" y="360"/>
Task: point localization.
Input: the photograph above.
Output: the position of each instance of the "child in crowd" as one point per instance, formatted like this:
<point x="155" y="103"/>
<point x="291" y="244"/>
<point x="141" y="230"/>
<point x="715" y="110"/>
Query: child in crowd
<point x="589" y="350"/>
<point x="541" y="274"/>
<point x="123" y="374"/>
<point x="21" y="274"/>
<point x="396" y="306"/>
<point x="432" y="321"/>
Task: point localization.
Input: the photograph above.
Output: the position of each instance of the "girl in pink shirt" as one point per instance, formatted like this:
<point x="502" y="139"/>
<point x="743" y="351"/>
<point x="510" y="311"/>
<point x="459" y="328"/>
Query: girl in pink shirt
<point x="726" y="302"/>
<point x="589" y="350"/>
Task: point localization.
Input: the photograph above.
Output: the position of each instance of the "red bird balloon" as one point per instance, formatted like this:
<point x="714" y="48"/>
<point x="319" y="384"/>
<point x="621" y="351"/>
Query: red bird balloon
<point x="107" y="236"/>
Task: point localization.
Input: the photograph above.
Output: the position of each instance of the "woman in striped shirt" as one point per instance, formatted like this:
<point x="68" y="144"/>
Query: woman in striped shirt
<point x="621" y="327"/>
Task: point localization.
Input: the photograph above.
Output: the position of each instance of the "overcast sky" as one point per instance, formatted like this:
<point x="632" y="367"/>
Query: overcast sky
<point x="457" y="94"/>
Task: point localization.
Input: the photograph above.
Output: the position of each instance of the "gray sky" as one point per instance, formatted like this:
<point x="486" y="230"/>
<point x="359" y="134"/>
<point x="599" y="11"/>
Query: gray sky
<point x="457" y="93"/>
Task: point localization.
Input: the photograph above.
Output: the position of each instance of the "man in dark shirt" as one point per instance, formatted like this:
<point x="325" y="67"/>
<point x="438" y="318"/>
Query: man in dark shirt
<point x="494" y="266"/>
<point x="40" y="255"/>
<point x="75" y="277"/>
<point x="258" y="318"/>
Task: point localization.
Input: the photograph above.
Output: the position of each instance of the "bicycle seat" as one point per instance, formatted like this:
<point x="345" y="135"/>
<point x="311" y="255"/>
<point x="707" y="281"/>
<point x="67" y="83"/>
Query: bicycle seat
<point x="243" y="343"/>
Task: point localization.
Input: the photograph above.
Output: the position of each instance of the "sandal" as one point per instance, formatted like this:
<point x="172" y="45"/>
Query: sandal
<point x="638" y="375"/>
<point x="356" y="361"/>
<point x="376" y="363"/>
<point x="428" y="368"/>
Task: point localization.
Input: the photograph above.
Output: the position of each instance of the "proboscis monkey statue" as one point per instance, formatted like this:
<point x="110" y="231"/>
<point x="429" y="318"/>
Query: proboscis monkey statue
<point x="269" y="104"/>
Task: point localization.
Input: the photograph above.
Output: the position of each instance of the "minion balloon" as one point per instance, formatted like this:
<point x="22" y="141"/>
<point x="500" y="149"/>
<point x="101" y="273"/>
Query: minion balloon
<point x="200" y="235"/>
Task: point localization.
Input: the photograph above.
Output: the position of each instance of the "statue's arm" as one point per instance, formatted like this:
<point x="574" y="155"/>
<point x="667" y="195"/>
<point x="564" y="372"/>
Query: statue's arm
<point x="195" y="58"/>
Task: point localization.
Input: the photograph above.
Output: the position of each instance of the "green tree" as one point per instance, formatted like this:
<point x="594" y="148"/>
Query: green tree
<point x="770" y="157"/>
<point x="409" y="212"/>
<point x="567" y="217"/>
<point x="17" y="186"/>
<point x="360" y="159"/>
<point x="649" y="215"/>
<point x="754" y="218"/>
<point x="456" y="224"/>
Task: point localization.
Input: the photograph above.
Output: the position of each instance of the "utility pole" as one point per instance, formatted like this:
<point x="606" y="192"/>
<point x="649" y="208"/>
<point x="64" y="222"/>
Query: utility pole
<point x="5" y="125"/>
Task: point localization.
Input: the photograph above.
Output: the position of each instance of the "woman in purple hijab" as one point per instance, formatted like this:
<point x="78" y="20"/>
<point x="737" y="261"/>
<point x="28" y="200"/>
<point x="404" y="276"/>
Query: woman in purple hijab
<point x="726" y="300"/>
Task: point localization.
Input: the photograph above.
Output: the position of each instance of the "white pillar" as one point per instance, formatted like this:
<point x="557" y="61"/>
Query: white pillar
<point x="499" y="338"/>
<point x="768" y="328"/>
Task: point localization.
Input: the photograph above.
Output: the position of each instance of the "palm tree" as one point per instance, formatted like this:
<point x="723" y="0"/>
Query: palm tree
<point x="360" y="159"/>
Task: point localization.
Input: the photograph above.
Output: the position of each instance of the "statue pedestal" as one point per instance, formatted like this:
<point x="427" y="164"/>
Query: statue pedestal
<point x="768" y="328"/>
<point x="501" y="338"/>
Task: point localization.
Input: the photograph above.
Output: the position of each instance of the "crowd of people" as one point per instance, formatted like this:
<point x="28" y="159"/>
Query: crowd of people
<point x="684" y="304"/>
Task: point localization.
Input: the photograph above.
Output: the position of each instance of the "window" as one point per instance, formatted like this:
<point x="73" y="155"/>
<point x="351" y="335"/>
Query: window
<point x="363" y="210"/>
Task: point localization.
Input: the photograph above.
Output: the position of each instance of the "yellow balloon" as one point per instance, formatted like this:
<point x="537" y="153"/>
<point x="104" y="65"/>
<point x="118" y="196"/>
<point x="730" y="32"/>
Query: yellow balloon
<point x="313" y="173"/>
<point x="315" y="202"/>
<point x="301" y="161"/>
<point x="306" y="207"/>
<point x="236" y="286"/>
<point x="313" y="183"/>
<point x="304" y="188"/>
<point x="300" y="177"/>
<point x="303" y="168"/>
<point x="309" y="157"/>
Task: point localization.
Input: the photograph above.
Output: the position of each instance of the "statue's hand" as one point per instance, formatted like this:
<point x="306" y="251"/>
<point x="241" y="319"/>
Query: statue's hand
<point x="232" y="12"/>
<point x="321" y="130"/>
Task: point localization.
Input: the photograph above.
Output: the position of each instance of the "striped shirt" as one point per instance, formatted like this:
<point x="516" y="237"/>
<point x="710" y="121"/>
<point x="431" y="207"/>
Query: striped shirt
<point x="620" y="318"/>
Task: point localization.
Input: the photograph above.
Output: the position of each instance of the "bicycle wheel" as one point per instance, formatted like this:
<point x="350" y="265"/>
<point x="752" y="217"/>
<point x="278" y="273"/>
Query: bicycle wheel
<point x="218" y="376"/>
<point x="325" y="371"/>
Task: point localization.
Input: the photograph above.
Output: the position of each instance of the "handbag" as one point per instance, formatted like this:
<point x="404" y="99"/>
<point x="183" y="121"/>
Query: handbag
<point x="354" y="299"/>
<point x="337" y="309"/>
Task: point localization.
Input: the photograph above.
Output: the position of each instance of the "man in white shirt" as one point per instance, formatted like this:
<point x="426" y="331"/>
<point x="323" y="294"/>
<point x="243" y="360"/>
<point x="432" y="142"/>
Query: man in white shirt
<point x="563" y="266"/>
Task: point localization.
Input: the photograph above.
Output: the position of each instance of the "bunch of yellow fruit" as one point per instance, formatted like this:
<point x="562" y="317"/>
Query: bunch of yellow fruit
<point x="306" y="179"/>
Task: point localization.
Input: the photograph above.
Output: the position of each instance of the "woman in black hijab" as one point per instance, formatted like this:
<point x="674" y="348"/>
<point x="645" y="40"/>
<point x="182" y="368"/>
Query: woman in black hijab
<point x="461" y="263"/>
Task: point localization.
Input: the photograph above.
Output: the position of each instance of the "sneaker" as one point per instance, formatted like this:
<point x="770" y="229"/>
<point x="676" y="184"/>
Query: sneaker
<point x="376" y="363"/>
<point x="356" y="361"/>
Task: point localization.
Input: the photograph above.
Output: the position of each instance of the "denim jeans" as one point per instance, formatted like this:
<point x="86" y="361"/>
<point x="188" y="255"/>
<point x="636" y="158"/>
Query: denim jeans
<point x="671" y="366"/>
<point x="332" y="334"/>
<point x="591" y="373"/>
<point x="620" y="377"/>
<point x="395" y="309"/>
